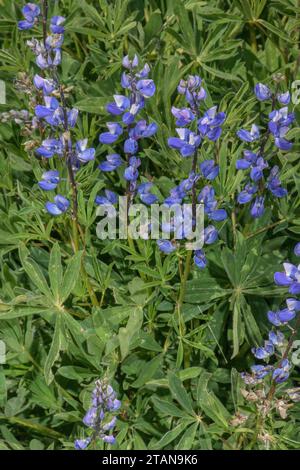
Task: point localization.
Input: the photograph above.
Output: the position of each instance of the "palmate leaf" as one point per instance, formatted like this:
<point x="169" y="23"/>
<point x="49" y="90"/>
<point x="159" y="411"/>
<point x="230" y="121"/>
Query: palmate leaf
<point x="55" y="348"/>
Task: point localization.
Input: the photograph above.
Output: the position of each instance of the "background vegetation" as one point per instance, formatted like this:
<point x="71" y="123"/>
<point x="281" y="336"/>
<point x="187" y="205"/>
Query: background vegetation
<point x="179" y="387"/>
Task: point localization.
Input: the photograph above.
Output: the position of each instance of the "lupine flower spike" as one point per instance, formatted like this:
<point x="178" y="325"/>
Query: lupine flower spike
<point x="208" y="128"/>
<point x="263" y="178"/>
<point x="100" y="417"/>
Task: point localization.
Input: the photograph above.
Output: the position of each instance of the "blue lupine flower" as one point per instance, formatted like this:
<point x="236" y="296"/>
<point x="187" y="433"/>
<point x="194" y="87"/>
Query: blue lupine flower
<point x="249" y="136"/>
<point x="130" y="146"/>
<point x="290" y="278"/>
<point x="59" y="206"/>
<point x="119" y="106"/>
<point x="130" y="64"/>
<point x="253" y="161"/>
<point x="84" y="154"/>
<point x="56" y="24"/>
<point x="207" y="197"/>
<point x="260" y="371"/>
<point x="247" y="193"/>
<point x="115" y="130"/>
<point x="166" y="246"/>
<point x="131" y="173"/>
<point x="30" y="12"/>
<point x="109" y="198"/>
<point x="72" y="116"/>
<point x="81" y="444"/>
<point x="277" y="338"/>
<point x="262" y="92"/>
<point x="210" y="125"/>
<point x="210" y="234"/>
<point x="200" y="259"/>
<point x="104" y="402"/>
<point x="44" y="84"/>
<point x="113" y="161"/>
<point x="51" y="147"/>
<point x="184" y="116"/>
<point x="274" y="183"/>
<point x="281" y="373"/>
<point x="192" y="90"/>
<point x="146" y="87"/>
<point x="50" y="180"/>
<point x="142" y="130"/>
<point x="187" y="142"/>
<point x="293" y="304"/>
<point x="278" y="125"/>
<point x="281" y="317"/>
<point x="284" y="98"/>
<point x="248" y="160"/>
<point x="264" y="352"/>
<point x="258" y="208"/>
<point x="51" y="112"/>
<point x="297" y="249"/>
<point x="145" y="194"/>
<point x="209" y="169"/>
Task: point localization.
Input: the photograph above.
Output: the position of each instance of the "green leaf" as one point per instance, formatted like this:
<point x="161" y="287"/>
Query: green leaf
<point x="179" y="393"/>
<point x="55" y="271"/>
<point x="70" y="276"/>
<point x="54" y="349"/>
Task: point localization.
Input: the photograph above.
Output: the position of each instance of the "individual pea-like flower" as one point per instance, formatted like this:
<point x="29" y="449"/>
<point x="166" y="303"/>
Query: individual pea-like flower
<point x="186" y="143"/>
<point x="146" y="87"/>
<point x="264" y="352"/>
<point x="207" y="198"/>
<point x="260" y="371"/>
<point x="145" y="195"/>
<point x="166" y="246"/>
<point x="291" y="278"/>
<point x="46" y="85"/>
<point x="51" y="111"/>
<point x="247" y="193"/>
<point x="258" y="208"/>
<point x="51" y="147"/>
<point x="281" y="373"/>
<point x="50" y="180"/>
<point x="297" y="249"/>
<point x="200" y="259"/>
<point x="183" y="116"/>
<point x="210" y="124"/>
<point x="192" y="90"/>
<point x="279" y="123"/>
<point x="59" y="206"/>
<point x="84" y="154"/>
<point x="115" y="130"/>
<point x="56" y="23"/>
<point x="121" y="104"/>
<point x="113" y="161"/>
<point x="262" y="92"/>
<point x="249" y="136"/>
<point x="209" y="169"/>
<point x="210" y="235"/>
<point x="110" y="198"/>
<point x="99" y="417"/>
<point x="30" y="11"/>
<point x="254" y="162"/>
<point x="274" y="183"/>
<point x="143" y="130"/>
<point x="284" y="98"/>
<point x="131" y="173"/>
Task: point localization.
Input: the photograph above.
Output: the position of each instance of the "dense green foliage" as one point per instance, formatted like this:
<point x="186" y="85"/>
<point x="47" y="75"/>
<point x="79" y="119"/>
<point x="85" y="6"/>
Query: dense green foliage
<point x="177" y="377"/>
